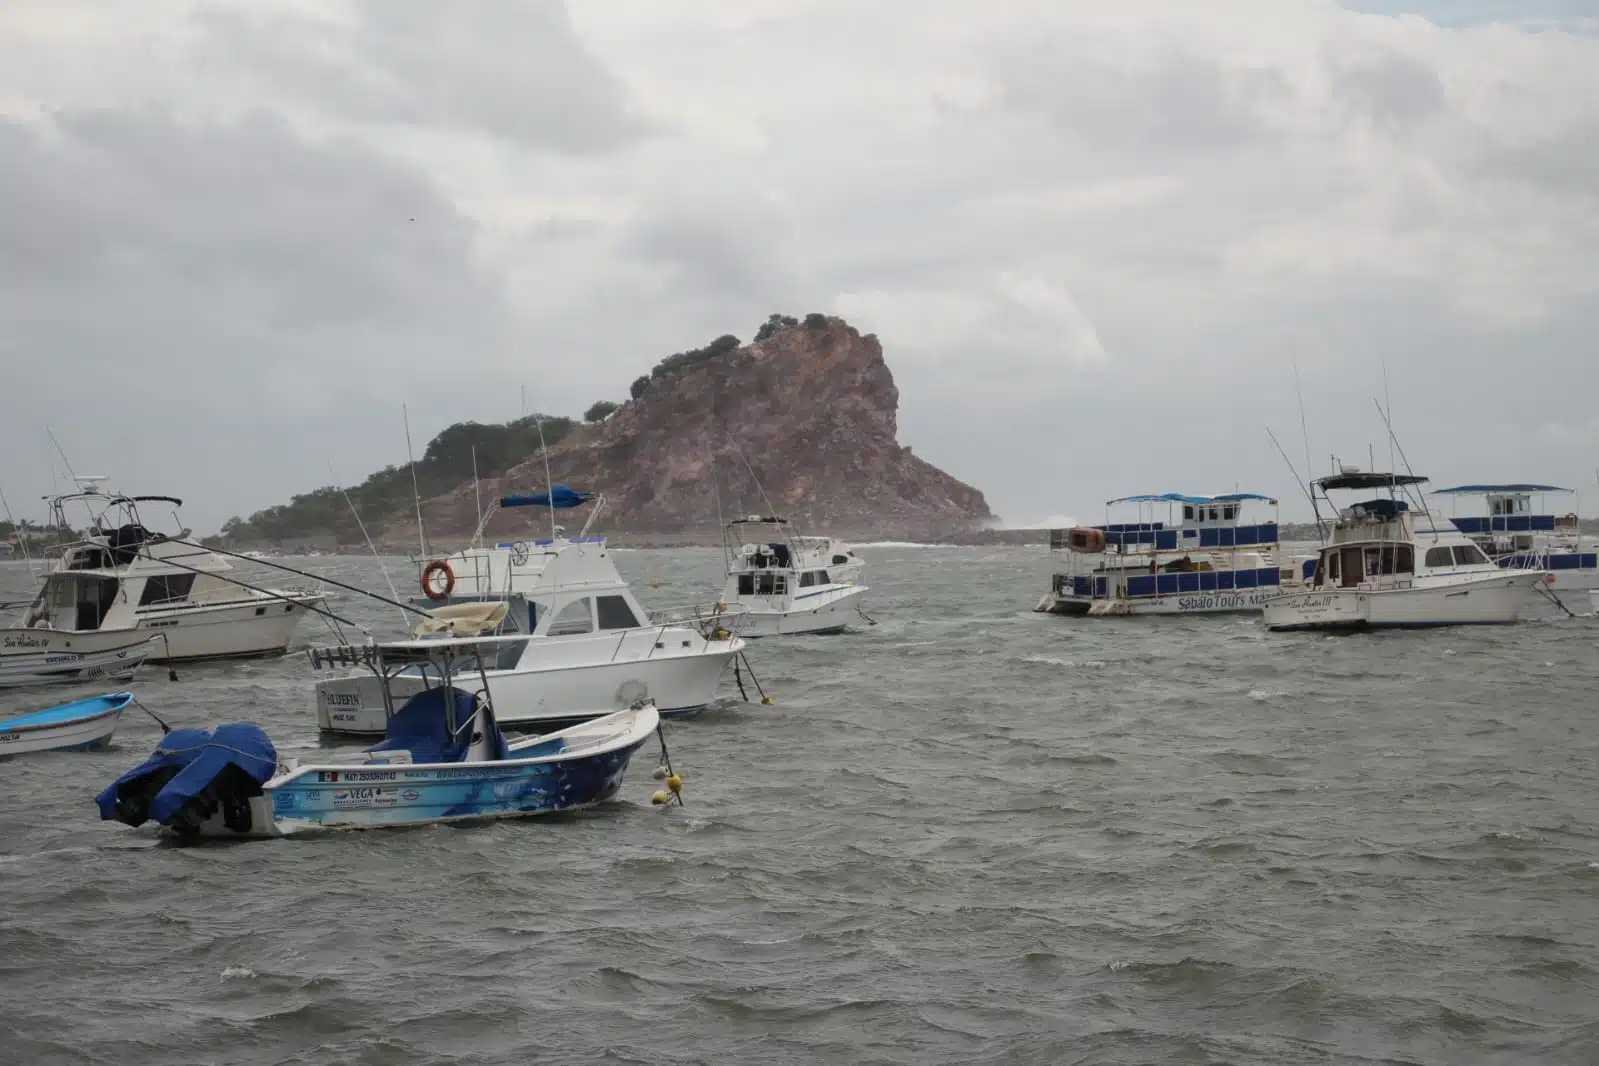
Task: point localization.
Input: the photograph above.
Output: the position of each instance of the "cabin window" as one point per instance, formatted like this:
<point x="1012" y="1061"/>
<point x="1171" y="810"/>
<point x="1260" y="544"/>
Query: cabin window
<point x="840" y="560"/>
<point x="1213" y="514"/>
<point x="166" y="588"/>
<point x="1229" y="512"/>
<point x="95" y="596"/>
<point x="771" y="585"/>
<point x="1387" y="560"/>
<point x="575" y="617"/>
<point x="1404" y="562"/>
<point x="614" y="613"/>
<point x="746" y="584"/>
<point x="1439" y="557"/>
<point x="807" y="579"/>
<point x="821" y="577"/>
<point x="1468" y="555"/>
<point x="1373" y="562"/>
<point x="1188" y="516"/>
<point x="1332" y="566"/>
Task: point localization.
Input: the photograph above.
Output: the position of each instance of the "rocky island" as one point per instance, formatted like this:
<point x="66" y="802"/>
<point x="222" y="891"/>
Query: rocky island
<point x="805" y="417"/>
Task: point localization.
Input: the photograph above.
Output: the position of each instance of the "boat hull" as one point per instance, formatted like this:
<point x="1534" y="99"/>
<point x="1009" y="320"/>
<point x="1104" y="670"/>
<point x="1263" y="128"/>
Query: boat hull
<point x="79" y="734"/>
<point x="553" y="686"/>
<point x="1188" y="603"/>
<point x="1493" y="600"/>
<point x="831" y="612"/>
<point x="249" y="629"/>
<point x="50" y="656"/>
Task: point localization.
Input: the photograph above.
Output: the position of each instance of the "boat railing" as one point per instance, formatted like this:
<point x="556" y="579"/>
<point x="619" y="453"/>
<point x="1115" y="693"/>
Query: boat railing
<point x="689" y="614"/>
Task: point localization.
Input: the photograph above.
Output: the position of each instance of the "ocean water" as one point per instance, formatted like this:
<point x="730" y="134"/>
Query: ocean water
<point x="968" y="833"/>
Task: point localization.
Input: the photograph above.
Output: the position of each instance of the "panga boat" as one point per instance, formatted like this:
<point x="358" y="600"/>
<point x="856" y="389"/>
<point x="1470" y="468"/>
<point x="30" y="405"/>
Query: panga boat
<point x="77" y="726"/>
<point x="1389" y="564"/>
<point x="443" y="759"/>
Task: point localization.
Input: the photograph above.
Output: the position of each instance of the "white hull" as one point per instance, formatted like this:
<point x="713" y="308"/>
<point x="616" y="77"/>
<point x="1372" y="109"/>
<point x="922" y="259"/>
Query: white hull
<point x="558" y="680"/>
<point x="47" y="656"/>
<point x="252" y="628"/>
<point x="1490" y="600"/>
<point x="824" y="612"/>
<point x="80" y="735"/>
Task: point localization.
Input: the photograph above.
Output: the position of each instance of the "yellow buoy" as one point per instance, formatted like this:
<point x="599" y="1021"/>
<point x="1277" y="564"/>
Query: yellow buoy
<point x="768" y="700"/>
<point x="674" y="783"/>
<point x="661" y="798"/>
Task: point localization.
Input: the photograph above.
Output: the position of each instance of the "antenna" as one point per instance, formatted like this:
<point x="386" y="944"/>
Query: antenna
<point x="478" y="494"/>
<point x="1395" y="441"/>
<point x="64" y="461"/>
<point x="1311" y="496"/>
<point x="416" y="493"/>
<point x="549" y="484"/>
<point x="1388" y="403"/>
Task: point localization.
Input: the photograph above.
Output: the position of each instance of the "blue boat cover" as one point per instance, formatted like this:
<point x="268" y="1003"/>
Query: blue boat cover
<point x="70" y="712"/>
<point x="1480" y="490"/>
<point x="177" y="749"/>
<point x="241" y="744"/>
<point x="420" y="727"/>
<point x="559" y="497"/>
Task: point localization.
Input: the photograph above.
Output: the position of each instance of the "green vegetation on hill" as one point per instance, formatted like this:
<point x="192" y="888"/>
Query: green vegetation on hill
<point x="445" y="464"/>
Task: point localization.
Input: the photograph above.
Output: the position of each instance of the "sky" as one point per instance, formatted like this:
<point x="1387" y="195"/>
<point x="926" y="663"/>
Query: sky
<point x="1105" y="247"/>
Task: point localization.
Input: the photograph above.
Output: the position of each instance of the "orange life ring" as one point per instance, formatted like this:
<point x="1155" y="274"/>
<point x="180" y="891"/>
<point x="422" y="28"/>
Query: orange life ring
<point x="438" y="566"/>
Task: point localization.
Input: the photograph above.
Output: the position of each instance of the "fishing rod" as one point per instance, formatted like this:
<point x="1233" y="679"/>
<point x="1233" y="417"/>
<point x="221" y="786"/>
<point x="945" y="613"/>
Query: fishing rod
<point x="301" y="573"/>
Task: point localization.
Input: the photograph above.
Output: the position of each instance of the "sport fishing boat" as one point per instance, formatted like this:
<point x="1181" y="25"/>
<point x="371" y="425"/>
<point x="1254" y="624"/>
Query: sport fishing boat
<point x="81" y="725"/>
<point x="1181" y="555"/>
<point x="573" y="643"/>
<point x="1521" y="532"/>
<point x="37" y="656"/>
<point x="780" y="584"/>
<point x="122" y="583"/>
<point x="1390" y="564"/>
<point x="443" y="759"/>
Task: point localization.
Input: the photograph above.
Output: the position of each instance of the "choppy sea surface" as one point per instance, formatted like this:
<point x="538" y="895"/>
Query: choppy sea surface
<point x="968" y="833"/>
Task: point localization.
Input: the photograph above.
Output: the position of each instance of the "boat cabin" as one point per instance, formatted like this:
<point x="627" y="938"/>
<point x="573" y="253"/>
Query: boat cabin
<point x="1521" y="531"/>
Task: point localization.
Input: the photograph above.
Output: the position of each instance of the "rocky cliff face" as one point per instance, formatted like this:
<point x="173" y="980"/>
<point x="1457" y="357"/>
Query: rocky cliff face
<point x="813" y="410"/>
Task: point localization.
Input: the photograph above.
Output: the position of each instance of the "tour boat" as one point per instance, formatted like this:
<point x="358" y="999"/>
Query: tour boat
<point x="1390" y="564"/>
<point x="1182" y="555"/>
<point x="1520" y="532"/>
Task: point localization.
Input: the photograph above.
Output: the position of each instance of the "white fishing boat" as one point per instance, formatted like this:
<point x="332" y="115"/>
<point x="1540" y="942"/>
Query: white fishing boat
<point x="1520" y="531"/>
<point x="77" y="726"/>
<point x="1181" y="555"/>
<point x="1390" y="564"/>
<point x="574" y="643"/>
<point x="444" y="759"/>
<point x="121" y="580"/>
<point x="785" y="584"/>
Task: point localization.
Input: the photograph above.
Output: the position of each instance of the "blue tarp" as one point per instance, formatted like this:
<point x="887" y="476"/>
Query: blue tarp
<point x="1480" y="490"/>
<point x="421" y="727"/>
<point x="559" y="497"/>
<point x="240" y="744"/>
<point x="176" y="750"/>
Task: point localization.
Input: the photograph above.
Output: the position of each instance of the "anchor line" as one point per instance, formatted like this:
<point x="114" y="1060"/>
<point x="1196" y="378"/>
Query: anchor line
<point x="862" y="612"/>
<point x="765" y="699"/>
<point x="666" y="761"/>
<point x="164" y="727"/>
<point x="1543" y="590"/>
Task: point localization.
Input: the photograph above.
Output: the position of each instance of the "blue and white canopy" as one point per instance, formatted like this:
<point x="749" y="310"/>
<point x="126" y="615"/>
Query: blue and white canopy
<point x="559" y="497"/>
<point x="1178" y="497"/>
<point x="1483" y="490"/>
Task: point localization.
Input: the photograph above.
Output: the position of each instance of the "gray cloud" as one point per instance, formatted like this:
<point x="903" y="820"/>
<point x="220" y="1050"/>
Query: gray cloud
<point x="511" y="68"/>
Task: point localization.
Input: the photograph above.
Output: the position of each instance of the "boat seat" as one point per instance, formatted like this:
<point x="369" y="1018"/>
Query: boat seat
<point x="420" y="728"/>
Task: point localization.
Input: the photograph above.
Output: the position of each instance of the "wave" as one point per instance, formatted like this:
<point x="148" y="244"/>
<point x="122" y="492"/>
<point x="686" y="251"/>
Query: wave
<point x="900" y="544"/>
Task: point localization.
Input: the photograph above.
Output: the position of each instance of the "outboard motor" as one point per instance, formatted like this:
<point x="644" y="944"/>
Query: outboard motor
<point x="129" y="797"/>
<point x="225" y="775"/>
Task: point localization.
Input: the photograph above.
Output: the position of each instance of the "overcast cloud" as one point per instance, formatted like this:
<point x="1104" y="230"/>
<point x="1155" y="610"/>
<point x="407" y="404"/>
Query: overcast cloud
<point x="1094" y="239"/>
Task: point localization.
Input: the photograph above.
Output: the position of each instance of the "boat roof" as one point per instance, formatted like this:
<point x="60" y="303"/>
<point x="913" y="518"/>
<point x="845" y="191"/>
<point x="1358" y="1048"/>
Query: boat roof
<point x="1362" y="480"/>
<point x="1482" y="490"/>
<point x="1178" y="497"/>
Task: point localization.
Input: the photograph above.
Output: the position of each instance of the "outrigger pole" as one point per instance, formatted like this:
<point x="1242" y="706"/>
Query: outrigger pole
<point x="291" y="570"/>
